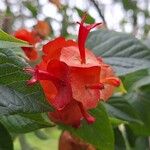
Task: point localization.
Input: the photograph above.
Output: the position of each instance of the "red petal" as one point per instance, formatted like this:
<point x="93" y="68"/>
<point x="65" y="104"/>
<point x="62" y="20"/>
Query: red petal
<point x="71" y="56"/>
<point x="61" y="70"/>
<point x="70" y="115"/>
<point x="26" y="35"/>
<point x="57" y="76"/>
<point x="30" y="53"/>
<point x="53" y="48"/>
<point x="31" y="38"/>
<point x="80" y="78"/>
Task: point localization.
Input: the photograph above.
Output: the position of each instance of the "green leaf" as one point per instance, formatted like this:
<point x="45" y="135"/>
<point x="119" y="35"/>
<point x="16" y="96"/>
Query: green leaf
<point x="120" y="108"/>
<point x="99" y="134"/>
<point x="19" y="97"/>
<point x="8" y="41"/>
<point x="21" y="124"/>
<point x="89" y="18"/>
<point x="130" y="79"/>
<point x="115" y="121"/>
<point x="142" y="143"/>
<point x="6" y="142"/>
<point x="140" y="100"/>
<point x="127" y="4"/>
<point x="12" y="102"/>
<point x="119" y="140"/>
<point x="141" y="83"/>
<point x="122" y="51"/>
<point x="41" y="135"/>
<point x="136" y="142"/>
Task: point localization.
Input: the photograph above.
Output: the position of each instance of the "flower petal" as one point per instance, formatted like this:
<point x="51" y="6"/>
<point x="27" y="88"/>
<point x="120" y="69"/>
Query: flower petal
<point x="64" y="92"/>
<point x="109" y="80"/>
<point x="31" y="53"/>
<point x="53" y="48"/>
<point x="70" y="115"/>
<point x="71" y="56"/>
<point x="80" y="78"/>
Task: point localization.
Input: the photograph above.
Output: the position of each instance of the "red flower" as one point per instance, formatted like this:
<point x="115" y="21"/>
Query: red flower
<point x="32" y="39"/>
<point x="72" y="114"/>
<point x="73" y="78"/>
<point x="42" y="28"/>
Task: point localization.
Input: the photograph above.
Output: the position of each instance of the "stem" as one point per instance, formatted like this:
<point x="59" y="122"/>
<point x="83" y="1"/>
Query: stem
<point x="23" y="143"/>
<point x="96" y="5"/>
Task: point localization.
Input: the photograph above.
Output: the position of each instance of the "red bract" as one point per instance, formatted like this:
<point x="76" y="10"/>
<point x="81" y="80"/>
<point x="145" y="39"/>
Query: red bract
<point x="32" y="39"/>
<point x="74" y="80"/>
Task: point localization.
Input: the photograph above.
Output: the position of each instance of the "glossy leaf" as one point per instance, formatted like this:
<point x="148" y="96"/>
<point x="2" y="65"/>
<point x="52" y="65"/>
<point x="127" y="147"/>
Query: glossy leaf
<point x="122" y="51"/>
<point x="21" y="124"/>
<point x="120" y="108"/>
<point x="12" y="102"/>
<point x="99" y="134"/>
<point x="140" y="100"/>
<point x="6" y="142"/>
<point x="19" y="97"/>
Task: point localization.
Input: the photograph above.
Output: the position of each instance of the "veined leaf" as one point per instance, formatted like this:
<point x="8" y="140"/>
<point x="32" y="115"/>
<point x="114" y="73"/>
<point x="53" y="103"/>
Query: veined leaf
<point x="12" y="102"/>
<point x="120" y="108"/>
<point x="122" y="51"/>
<point x="99" y="134"/>
<point x="21" y="124"/>
<point x="140" y="100"/>
<point x="9" y="41"/>
<point x="6" y="142"/>
<point x="16" y="96"/>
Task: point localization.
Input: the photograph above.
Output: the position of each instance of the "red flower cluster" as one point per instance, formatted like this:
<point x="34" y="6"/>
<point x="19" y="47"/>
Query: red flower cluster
<point x="74" y="80"/>
<point x="32" y="38"/>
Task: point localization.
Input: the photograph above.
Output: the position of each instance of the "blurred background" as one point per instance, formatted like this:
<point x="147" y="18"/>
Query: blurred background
<point x="59" y="17"/>
<point x="131" y="16"/>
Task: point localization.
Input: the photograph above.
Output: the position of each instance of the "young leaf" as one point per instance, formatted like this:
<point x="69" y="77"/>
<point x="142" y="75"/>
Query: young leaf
<point x="9" y="41"/>
<point x="89" y="18"/>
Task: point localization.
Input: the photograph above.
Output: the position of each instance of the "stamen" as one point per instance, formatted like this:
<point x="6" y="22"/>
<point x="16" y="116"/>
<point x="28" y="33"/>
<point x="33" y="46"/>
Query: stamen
<point x="99" y="86"/>
<point x="90" y="119"/>
<point x="112" y="81"/>
<point x="29" y="70"/>
<point x="38" y="74"/>
<point x="32" y="81"/>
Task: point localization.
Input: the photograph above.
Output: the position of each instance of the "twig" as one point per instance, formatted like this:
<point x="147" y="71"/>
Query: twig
<point x="96" y="5"/>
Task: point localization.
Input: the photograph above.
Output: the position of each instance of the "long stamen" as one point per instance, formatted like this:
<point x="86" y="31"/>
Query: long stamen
<point x="99" y="86"/>
<point x="112" y="81"/>
<point x="40" y="75"/>
<point x="90" y="119"/>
